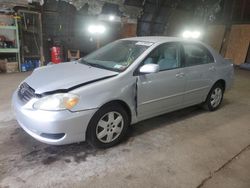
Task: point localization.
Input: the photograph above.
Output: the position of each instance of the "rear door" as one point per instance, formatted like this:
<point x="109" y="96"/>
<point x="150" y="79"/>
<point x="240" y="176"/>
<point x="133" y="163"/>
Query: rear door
<point x="199" y="72"/>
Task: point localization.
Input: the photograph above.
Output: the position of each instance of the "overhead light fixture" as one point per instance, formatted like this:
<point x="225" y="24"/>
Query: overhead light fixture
<point x="96" y="29"/>
<point x="111" y="17"/>
<point x="196" y="34"/>
<point x="191" y="34"/>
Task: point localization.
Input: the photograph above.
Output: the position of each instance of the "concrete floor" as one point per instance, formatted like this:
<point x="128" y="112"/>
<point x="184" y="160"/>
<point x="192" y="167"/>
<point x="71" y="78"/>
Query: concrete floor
<point x="185" y="149"/>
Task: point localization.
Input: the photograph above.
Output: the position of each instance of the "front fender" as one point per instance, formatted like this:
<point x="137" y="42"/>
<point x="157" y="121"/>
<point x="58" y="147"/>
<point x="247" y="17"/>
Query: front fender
<point x="97" y="94"/>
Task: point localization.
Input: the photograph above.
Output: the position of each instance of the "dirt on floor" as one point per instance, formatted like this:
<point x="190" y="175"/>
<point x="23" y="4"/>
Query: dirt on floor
<point x="190" y="148"/>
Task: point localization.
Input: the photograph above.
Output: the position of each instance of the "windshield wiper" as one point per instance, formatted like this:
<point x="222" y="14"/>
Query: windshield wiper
<point x="103" y="67"/>
<point x="98" y="66"/>
<point x="82" y="61"/>
<point x="91" y="64"/>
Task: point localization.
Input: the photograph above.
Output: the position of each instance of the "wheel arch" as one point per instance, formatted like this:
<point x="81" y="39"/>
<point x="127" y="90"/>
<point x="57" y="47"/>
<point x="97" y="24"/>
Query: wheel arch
<point x="207" y="105"/>
<point x="119" y="102"/>
<point x="220" y="81"/>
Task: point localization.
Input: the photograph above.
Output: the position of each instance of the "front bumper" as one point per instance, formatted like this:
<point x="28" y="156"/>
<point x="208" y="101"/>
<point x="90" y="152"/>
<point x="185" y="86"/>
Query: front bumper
<point x="52" y="127"/>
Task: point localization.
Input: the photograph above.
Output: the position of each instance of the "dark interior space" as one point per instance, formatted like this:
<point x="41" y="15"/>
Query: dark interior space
<point x="66" y="24"/>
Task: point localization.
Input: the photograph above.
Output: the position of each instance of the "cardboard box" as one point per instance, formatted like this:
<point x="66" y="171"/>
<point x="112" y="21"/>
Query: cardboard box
<point x="73" y="55"/>
<point x="2" y="64"/>
<point x="8" y="67"/>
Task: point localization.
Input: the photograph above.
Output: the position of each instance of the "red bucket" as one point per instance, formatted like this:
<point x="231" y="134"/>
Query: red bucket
<point x="55" y="55"/>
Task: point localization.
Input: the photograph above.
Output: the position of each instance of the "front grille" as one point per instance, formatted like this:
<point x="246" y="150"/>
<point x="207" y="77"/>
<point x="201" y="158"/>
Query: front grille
<point x="26" y="93"/>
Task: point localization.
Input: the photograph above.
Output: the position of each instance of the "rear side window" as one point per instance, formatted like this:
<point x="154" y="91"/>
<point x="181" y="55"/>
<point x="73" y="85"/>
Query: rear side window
<point x="195" y="54"/>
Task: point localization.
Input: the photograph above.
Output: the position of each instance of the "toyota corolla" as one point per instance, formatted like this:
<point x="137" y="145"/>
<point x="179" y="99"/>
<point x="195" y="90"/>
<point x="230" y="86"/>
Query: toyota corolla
<point x="99" y="96"/>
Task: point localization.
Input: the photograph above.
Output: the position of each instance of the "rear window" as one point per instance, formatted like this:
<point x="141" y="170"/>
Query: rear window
<point x="196" y="54"/>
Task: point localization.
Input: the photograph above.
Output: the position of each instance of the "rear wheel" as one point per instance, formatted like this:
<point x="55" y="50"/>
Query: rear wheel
<point x="108" y="126"/>
<point x="214" y="97"/>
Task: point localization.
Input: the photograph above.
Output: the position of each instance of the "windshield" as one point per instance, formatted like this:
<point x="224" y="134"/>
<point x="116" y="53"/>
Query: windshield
<point x="116" y="56"/>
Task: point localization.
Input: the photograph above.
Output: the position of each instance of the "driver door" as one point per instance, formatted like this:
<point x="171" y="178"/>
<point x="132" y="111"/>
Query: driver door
<point x="161" y="92"/>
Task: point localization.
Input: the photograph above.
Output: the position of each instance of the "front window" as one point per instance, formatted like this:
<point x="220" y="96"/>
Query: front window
<point x="116" y="56"/>
<point x="165" y="55"/>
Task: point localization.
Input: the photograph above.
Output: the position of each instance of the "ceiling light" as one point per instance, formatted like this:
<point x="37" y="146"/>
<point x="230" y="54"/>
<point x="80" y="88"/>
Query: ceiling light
<point x="96" y="29"/>
<point x="111" y="17"/>
<point x="191" y="34"/>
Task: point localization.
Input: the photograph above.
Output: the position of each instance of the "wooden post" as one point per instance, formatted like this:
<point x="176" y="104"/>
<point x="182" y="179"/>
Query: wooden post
<point x="97" y="42"/>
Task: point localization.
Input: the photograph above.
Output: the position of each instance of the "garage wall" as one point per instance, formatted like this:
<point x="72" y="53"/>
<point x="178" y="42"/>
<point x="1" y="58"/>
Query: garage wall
<point x="178" y="21"/>
<point x="64" y="24"/>
<point x="238" y="43"/>
<point x="214" y="35"/>
<point x="128" y="30"/>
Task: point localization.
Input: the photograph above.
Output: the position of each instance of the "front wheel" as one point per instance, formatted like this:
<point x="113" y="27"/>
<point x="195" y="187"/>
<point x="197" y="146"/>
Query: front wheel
<point x="214" y="97"/>
<point x="108" y="126"/>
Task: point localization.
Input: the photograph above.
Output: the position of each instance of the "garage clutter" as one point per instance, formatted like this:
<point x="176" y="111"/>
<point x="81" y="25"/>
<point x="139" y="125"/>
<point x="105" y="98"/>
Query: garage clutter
<point x="20" y="41"/>
<point x="8" y="65"/>
<point x="9" y="44"/>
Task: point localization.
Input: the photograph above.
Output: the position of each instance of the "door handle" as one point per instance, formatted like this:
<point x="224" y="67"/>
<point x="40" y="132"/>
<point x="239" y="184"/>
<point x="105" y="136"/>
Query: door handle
<point x="211" y="68"/>
<point x="180" y="75"/>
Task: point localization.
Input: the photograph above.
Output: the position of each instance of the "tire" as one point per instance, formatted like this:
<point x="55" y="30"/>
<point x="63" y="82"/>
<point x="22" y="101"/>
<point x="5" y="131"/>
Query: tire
<point x="108" y="126"/>
<point x="214" y="97"/>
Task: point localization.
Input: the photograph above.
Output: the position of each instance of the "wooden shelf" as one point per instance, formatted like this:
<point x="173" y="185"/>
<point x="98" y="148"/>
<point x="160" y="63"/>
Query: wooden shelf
<point x="7" y="27"/>
<point x="30" y="31"/>
<point x="31" y="56"/>
<point x="9" y="50"/>
<point x="6" y="16"/>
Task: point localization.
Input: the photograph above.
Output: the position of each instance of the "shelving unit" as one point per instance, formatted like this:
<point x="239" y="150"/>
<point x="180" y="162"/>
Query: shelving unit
<point x="11" y="28"/>
<point x="30" y="27"/>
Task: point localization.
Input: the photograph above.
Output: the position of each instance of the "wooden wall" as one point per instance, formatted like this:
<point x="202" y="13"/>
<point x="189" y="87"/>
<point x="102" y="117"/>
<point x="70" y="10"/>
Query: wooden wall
<point x="128" y="30"/>
<point x="214" y="35"/>
<point x="238" y="43"/>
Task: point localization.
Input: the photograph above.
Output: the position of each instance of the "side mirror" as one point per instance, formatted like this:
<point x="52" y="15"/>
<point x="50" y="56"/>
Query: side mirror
<point x="149" y="68"/>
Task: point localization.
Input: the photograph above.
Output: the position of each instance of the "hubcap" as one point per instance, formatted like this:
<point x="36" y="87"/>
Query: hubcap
<point x="216" y="97"/>
<point x="109" y="127"/>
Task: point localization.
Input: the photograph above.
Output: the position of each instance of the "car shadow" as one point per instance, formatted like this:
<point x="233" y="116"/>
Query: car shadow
<point x="164" y="120"/>
<point x="79" y="152"/>
<point x="169" y="118"/>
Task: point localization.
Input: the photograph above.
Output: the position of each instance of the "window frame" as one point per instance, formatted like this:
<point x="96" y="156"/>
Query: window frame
<point x="84" y="59"/>
<point x="183" y="55"/>
<point x="179" y="57"/>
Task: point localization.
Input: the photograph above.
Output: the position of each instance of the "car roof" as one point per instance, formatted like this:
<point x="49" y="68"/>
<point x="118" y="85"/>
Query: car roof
<point x="160" y="39"/>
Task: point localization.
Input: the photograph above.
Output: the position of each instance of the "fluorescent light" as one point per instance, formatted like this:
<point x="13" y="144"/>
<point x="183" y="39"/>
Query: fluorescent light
<point x="96" y="29"/>
<point x="196" y="34"/>
<point x="191" y="34"/>
<point x="186" y="34"/>
<point x="101" y="29"/>
<point x="111" y="17"/>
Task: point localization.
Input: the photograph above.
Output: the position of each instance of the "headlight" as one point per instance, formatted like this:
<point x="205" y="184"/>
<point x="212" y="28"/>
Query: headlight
<point x="61" y="101"/>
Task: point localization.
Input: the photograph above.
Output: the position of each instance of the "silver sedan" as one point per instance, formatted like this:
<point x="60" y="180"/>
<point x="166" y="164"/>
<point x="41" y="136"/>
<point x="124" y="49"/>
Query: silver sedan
<point x="99" y="96"/>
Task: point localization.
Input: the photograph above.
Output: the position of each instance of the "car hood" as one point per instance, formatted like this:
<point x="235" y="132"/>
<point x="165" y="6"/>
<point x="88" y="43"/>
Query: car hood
<point x="65" y="76"/>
